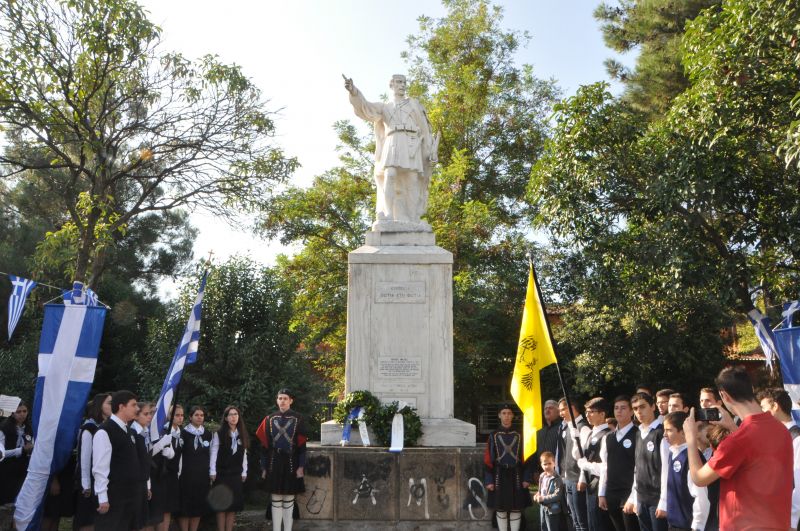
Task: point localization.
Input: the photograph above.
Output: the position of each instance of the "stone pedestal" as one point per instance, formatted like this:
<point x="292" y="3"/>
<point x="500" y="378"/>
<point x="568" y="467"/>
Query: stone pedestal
<point x="400" y="330"/>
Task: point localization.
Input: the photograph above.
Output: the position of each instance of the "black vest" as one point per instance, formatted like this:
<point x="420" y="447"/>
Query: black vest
<point x="124" y="472"/>
<point x="648" y="466"/>
<point x="144" y="456"/>
<point x="569" y="466"/>
<point x="228" y="463"/>
<point x="621" y="460"/>
<point x="172" y="465"/>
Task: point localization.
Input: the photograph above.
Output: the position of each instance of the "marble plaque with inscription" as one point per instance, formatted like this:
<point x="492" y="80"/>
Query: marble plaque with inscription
<point x="400" y="292"/>
<point x="399" y="367"/>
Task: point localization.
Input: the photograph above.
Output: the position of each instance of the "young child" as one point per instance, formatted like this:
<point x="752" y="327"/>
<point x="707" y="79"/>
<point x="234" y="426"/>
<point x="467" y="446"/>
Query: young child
<point x="687" y="504"/>
<point x="550" y="493"/>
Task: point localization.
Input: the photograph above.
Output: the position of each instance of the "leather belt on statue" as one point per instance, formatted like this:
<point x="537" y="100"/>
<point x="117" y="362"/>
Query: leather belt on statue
<point x="393" y="131"/>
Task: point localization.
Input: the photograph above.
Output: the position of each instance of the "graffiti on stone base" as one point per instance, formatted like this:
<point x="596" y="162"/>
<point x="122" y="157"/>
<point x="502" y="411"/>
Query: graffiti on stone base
<point x="316" y="501"/>
<point x="365" y="490"/>
<point x="418" y="492"/>
<point x="476" y="499"/>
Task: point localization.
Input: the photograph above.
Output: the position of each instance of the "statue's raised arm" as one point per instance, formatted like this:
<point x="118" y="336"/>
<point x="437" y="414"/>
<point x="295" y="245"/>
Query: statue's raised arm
<point x="405" y="151"/>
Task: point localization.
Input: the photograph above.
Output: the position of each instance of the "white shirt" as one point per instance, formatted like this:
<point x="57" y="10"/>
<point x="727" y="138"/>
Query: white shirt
<point x="619" y="434"/>
<point x="586" y="467"/>
<point x="101" y="460"/>
<point x="796" y="470"/>
<point x="16" y="451"/>
<point x="701" y="506"/>
<point x="644" y="431"/>
<point x="86" y="460"/>
<point x="212" y="467"/>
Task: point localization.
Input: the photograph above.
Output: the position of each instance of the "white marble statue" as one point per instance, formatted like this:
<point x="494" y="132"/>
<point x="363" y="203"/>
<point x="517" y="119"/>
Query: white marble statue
<point x="405" y="152"/>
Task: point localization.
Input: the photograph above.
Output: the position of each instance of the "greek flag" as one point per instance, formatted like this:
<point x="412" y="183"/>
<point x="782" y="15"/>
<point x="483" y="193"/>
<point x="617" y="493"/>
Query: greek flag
<point x="787" y="340"/>
<point x="789" y="308"/>
<point x="67" y="358"/>
<point x="186" y="353"/>
<point x="80" y="295"/>
<point x="764" y="334"/>
<point x="20" y="289"/>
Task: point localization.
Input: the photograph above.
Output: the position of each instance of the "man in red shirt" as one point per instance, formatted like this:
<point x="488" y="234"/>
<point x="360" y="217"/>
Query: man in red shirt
<point x="754" y="462"/>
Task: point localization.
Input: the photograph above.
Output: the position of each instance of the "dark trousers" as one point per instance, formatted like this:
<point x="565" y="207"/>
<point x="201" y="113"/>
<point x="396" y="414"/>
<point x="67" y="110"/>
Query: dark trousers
<point x="621" y="521"/>
<point x="576" y="501"/>
<point x="124" y="508"/>
<point x="671" y="528"/>
<point x="548" y="522"/>
<point x="648" y="520"/>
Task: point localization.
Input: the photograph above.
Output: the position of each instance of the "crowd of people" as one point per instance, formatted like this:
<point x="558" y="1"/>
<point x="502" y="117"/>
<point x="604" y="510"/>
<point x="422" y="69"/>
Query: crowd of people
<point x="121" y="478"/>
<point x="650" y="461"/>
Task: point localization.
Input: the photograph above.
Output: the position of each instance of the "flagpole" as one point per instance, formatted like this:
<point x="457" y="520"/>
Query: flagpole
<point x="553" y="342"/>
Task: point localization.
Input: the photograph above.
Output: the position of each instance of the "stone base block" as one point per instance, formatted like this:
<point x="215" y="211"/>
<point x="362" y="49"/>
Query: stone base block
<point x="384" y="238"/>
<point x="370" y="488"/>
<point x="435" y="433"/>
<point x="331" y="435"/>
<point x="446" y="432"/>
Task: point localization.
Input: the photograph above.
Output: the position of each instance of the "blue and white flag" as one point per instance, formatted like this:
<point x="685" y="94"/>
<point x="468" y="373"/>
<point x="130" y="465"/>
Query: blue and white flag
<point x="787" y="340"/>
<point x="80" y="295"/>
<point x="789" y="309"/>
<point x="20" y="289"/>
<point x="186" y="353"/>
<point x="67" y="359"/>
<point x="764" y="334"/>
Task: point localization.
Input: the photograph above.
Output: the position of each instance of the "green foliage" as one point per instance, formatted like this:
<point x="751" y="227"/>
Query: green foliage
<point x="654" y="29"/>
<point x="673" y="221"/>
<point x="112" y="129"/>
<point x="363" y="399"/>
<point x="246" y="353"/>
<point x="381" y="424"/>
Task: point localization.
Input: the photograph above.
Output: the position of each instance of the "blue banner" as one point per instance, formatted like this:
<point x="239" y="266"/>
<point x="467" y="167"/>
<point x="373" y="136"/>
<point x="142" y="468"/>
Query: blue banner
<point x="787" y="342"/>
<point x="67" y="359"/>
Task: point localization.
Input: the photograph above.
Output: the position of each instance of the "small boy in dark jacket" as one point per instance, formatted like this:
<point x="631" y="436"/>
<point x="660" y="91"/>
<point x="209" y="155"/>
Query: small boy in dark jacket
<point x="550" y="493"/>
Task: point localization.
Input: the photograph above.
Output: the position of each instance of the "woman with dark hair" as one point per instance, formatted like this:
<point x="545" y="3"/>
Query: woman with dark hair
<point x="16" y="445"/>
<point x="283" y="436"/>
<point x="97" y="412"/>
<point x="194" y="482"/>
<point x="228" y="468"/>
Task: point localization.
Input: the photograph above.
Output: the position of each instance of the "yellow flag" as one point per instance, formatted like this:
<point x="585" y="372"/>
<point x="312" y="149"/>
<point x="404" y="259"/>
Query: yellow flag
<point x="535" y="351"/>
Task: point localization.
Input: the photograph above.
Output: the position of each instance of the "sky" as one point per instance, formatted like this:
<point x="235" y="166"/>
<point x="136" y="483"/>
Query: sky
<point x="296" y="53"/>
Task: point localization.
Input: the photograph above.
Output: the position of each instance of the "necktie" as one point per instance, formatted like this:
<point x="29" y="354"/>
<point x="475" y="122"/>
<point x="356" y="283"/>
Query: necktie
<point x="234" y="442"/>
<point x="196" y="441"/>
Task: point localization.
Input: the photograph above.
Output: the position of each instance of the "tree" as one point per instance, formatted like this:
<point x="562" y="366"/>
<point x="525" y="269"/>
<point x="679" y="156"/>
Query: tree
<point x="247" y="352"/>
<point x="114" y="130"/>
<point x="690" y="214"/>
<point x="654" y="29"/>
<point x="329" y="219"/>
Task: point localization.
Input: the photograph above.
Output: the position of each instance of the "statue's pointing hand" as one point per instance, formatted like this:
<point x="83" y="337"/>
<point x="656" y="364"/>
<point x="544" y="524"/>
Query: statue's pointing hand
<point x="348" y="84"/>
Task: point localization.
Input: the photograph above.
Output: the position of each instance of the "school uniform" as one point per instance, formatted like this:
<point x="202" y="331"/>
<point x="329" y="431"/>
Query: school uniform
<point x="229" y="465"/>
<point x="14" y="462"/>
<point x="143" y="450"/>
<point x="591" y="467"/>
<point x="171" y="479"/>
<point x="85" y="506"/>
<point x="159" y="453"/>
<point x="616" y="479"/>
<point x="116" y="470"/>
<point x="687" y="504"/>
<point x="570" y="472"/>
<point x="194" y="482"/>
<point x="649" y="491"/>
